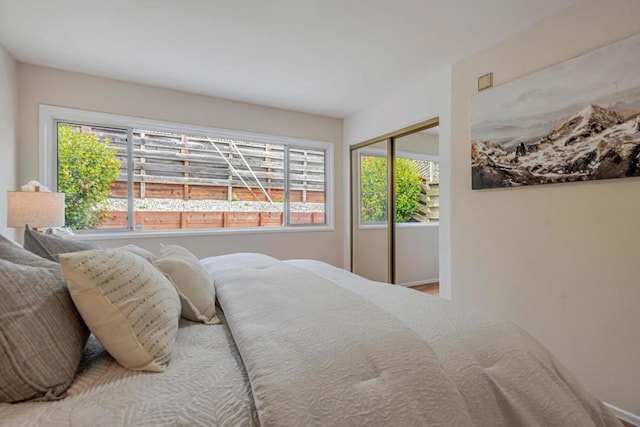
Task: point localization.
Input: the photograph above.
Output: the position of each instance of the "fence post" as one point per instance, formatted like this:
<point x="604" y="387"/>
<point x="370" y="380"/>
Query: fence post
<point x="304" y="176"/>
<point x="143" y="160"/>
<point x="185" y="188"/>
<point x="267" y="151"/>
<point x="230" y="176"/>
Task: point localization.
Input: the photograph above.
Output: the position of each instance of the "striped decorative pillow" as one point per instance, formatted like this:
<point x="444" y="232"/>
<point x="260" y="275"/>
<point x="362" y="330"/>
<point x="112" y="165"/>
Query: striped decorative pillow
<point x="127" y="303"/>
<point x="41" y="333"/>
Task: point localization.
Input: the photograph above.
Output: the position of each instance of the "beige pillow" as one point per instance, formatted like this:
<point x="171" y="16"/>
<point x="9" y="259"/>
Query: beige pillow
<point x="127" y="303"/>
<point x="193" y="282"/>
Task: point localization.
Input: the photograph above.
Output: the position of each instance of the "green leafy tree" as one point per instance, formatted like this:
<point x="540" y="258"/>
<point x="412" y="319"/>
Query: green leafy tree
<point x="374" y="189"/>
<point x="87" y="169"/>
<point x="408" y="186"/>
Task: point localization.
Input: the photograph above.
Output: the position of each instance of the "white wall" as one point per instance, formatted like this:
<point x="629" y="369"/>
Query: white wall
<point x="424" y="100"/>
<point x="8" y="139"/>
<point x="560" y="260"/>
<point x="39" y="85"/>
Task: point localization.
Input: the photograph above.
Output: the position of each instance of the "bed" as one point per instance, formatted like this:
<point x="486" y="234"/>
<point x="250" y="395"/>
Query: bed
<point x="304" y="343"/>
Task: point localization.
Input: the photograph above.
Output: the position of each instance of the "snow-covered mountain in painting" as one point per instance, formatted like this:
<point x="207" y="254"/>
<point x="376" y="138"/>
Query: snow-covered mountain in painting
<point x="595" y="143"/>
<point x="529" y="126"/>
<point x="572" y="121"/>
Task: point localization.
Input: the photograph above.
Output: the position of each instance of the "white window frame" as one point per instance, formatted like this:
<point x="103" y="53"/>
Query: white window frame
<point x="380" y="152"/>
<point x="49" y="115"/>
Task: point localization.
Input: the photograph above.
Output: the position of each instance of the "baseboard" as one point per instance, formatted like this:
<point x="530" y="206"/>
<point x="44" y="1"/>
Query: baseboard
<point x="624" y="415"/>
<point x="419" y="282"/>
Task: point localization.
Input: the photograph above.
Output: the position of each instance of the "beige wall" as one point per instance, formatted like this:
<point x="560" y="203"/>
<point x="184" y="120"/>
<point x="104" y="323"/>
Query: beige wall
<point x="39" y="85"/>
<point x="559" y="260"/>
<point x="8" y="138"/>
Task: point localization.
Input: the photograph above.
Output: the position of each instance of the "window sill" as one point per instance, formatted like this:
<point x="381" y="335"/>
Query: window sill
<point x="119" y="235"/>
<point x="401" y="225"/>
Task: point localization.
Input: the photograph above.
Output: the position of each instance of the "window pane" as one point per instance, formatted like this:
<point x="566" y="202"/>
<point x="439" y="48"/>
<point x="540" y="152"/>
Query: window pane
<point x="180" y="179"/>
<point x="92" y="174"/>
<point x="190" y="181"/>
<point x="306" y="186"/>
<point x="417" y="190"/>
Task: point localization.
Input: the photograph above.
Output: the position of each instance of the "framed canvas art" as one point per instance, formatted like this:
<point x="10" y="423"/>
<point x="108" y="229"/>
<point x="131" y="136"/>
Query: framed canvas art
<point x="575" y="121"/>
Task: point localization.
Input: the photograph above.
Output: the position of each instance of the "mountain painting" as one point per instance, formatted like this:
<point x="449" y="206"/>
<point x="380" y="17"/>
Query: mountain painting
<point x="574" y="121"/>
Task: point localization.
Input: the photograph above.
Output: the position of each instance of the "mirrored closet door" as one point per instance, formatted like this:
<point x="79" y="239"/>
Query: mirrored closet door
<point x="394" y="206"/>
<point x="370" y="226"/>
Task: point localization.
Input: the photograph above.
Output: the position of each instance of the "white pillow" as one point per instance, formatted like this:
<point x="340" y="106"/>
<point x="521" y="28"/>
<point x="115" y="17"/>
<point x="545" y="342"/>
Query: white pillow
<point x="141" y="252"/>
<point x="127" y="303"/>
<point x="193" y="282"/>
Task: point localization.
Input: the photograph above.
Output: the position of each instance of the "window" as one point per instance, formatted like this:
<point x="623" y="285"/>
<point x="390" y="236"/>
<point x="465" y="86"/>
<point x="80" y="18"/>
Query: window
<point x="121" y="173"/>
<point x="417" y="188"/>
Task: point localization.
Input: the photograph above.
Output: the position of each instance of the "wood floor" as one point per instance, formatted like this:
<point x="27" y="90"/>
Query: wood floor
<point x="429" y="288"/>
<point x="434" y="289"/>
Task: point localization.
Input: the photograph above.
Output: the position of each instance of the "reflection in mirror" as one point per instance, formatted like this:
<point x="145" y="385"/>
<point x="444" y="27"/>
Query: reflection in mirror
<point x="369" y="168"/>
<point x="417" y="204"/>
<point x="373" y="185"/>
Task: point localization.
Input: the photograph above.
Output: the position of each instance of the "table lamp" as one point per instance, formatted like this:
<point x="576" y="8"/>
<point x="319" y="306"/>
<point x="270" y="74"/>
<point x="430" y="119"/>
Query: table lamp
<point x="37" y="209"/>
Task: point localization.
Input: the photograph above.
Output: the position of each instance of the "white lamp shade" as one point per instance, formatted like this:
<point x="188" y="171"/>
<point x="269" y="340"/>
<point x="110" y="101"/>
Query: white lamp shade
<point x="35" y="208"/>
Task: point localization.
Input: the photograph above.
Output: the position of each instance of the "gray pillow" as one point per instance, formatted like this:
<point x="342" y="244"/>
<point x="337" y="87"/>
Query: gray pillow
<point x="49" y="246"/>
<point x="15" y="253"/>
<point x="43" y="336"/>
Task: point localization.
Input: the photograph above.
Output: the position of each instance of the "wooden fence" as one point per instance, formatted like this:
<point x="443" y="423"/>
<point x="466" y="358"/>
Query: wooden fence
<point x="150" y="220"/>
<point x="429" y="210"/>
<point x="212" y="192"/>
<point x="168" y="165"/>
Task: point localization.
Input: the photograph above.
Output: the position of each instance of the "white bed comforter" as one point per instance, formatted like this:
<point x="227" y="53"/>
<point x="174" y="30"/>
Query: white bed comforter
<point x="305" y="343"/>
<point x="325" y="347"/>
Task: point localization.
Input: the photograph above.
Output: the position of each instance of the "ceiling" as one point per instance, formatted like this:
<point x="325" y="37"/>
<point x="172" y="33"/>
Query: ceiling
<point x="328" y="57"/>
